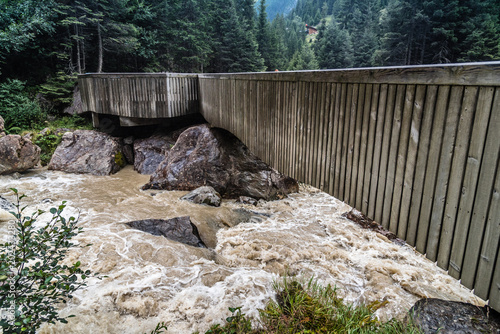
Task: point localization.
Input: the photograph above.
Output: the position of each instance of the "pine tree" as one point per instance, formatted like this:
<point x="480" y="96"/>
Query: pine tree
<point x="334" y="48"/>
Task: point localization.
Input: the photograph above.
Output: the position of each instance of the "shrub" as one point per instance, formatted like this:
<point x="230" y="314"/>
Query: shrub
<point x="311" y="308"/>
<point x="47" y="142"/>
<point x="17" y="108"/>
<point x="33" y="278"/>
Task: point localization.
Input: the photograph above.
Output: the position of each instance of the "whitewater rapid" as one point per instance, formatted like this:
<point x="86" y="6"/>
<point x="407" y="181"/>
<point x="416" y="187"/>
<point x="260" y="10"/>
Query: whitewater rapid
<point x="148" y="279"/>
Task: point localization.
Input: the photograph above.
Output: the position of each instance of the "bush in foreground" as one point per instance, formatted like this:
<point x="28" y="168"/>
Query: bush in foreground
<point x="33" y="278"/>
<point x="311" y="308"/>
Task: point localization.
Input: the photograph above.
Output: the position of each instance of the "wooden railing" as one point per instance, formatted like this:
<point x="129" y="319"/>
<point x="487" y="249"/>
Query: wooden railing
<point x="414" y="148"/>
<point x="140" y="95"/>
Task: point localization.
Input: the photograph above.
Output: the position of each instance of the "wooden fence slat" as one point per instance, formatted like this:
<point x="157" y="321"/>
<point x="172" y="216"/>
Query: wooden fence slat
<point x="485" y="280"/>
<point x="443" y="172"/>
<point x="370" y="147"/>
<point x="377" y="150"/>
<point x="432" y="167"/>
<point x="336" y="115"/>
<point x="384" y="157"/>
<point x="411" y="161"/>
<point x="363" y="144"/>
<point x="358" y="129"/>
<point x="471" y="176"/>
<point x="401" y="157"/>
<point x="456" y="174"/>
<point x="352" y="109"/>
<point x="489" y="167"/>
<point x="338" y="188"/>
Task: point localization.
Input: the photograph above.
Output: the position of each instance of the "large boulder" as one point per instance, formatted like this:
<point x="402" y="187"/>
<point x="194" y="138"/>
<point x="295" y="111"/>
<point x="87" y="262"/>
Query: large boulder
<point x="179" y="229"/>
<point x="205" y="156"/>
<point x="447" y="317"/>
<point x="17" y="154"/>
<point x="150" y="152"/>
<point x="88" y="152"/>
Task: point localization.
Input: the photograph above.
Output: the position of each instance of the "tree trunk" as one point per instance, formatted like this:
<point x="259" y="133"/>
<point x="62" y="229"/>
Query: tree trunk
<point x="100" y="56"/>
<point x="78" y="53"/>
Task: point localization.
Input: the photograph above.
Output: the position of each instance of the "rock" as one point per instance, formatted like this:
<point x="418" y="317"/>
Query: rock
<point x="76" y="107"/>
<point x="128" y="152"/>
<point x="17" y="154"/>
<point x="6" y="208"/>
<point x="446" y="317"/>
<point x="204" y="156"/>
<point x="203" y="195"/>
<point x="247" y="200"/>
<point x="179" y="229"/>
<point x="150" y="152"/>
<point x="89" y="152"/>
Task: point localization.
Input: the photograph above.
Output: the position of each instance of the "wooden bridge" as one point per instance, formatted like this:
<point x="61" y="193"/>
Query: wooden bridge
<point x="415" y="148"/>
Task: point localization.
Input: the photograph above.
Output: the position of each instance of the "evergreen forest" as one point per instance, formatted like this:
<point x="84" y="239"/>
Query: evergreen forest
<point x="45" y="43"/>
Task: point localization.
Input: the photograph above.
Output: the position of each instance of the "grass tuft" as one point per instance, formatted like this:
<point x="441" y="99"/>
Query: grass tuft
<point x="307" y="307"/>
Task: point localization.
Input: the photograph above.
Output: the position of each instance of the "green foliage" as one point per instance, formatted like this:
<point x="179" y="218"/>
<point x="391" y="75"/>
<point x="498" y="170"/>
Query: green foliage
<point x="59" y="88"/>
<point x="120" y="159"/>
<point x="17" y="108"/>
<point x="308" y="307"/>
<point x="159" y="328"/>
<point x="75" y="122"/>
<point x="235" y="324"/>
<point x="32" y="270"/>
<point x="47" y="141"/>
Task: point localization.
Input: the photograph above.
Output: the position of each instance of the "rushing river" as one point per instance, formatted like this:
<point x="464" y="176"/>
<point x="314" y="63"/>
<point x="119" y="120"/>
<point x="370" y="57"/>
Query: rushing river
<point x="149" y="279"/>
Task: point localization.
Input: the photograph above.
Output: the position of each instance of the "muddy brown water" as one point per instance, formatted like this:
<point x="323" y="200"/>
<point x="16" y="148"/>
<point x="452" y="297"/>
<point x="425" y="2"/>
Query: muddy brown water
<point x="150" y="279"/>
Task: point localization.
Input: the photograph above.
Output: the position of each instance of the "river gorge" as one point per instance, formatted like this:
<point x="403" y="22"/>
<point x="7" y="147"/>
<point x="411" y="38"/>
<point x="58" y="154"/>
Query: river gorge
<point x="146" y="279"/>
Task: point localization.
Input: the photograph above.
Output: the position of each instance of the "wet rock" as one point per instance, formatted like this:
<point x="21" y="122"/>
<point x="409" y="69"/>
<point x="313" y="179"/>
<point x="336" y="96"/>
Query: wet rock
<point x="204" y="156"/>
<point x="88" y="152"/>
<point x="6" y="208"/>
<point x="179" y="229"/>
<point x="247" y="200"/>
<point x="150" y="152"/>
<point x="203" y="195"/>
<point x="128" y="152"/>
<point x="446" y="317"/>
<point x="367" y="223"/>
<point x="17" y="154"/>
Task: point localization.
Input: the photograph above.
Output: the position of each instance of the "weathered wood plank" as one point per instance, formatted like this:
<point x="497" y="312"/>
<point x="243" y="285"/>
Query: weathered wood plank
<point x="401" y="157"/>
<point x="471" y="177"/>
<point x="351" y="133"/>
<point x="456" y="174"/>
<point x="365" y="128"/>
<point x="431" y="172"/>
<point x="370" y="146"/>
<point x="340" y="135"/>
<point x="358" y="129"/>
<point x="490" y="247"/>
<point x="335" y="109"/>
<point x="384" y="156"/>
<point x="443" y="172"/>
<point x="393" y="155"/>
<point x="384" y="89"/>
<point x="484" y="192"/>
<point x="411" y="160"/>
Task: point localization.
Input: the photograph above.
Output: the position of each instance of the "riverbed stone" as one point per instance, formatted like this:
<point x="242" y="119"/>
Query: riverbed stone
<point x="150" y="152"/>
<point x="203" y="195"/>
<point x="6" y="208"/>
<point x="446" y="317"/>
<point x="88" y="152"/>
<point x="206" y="156"/>
<point x="179" y="229"/>
<point x="17" y="154"/>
